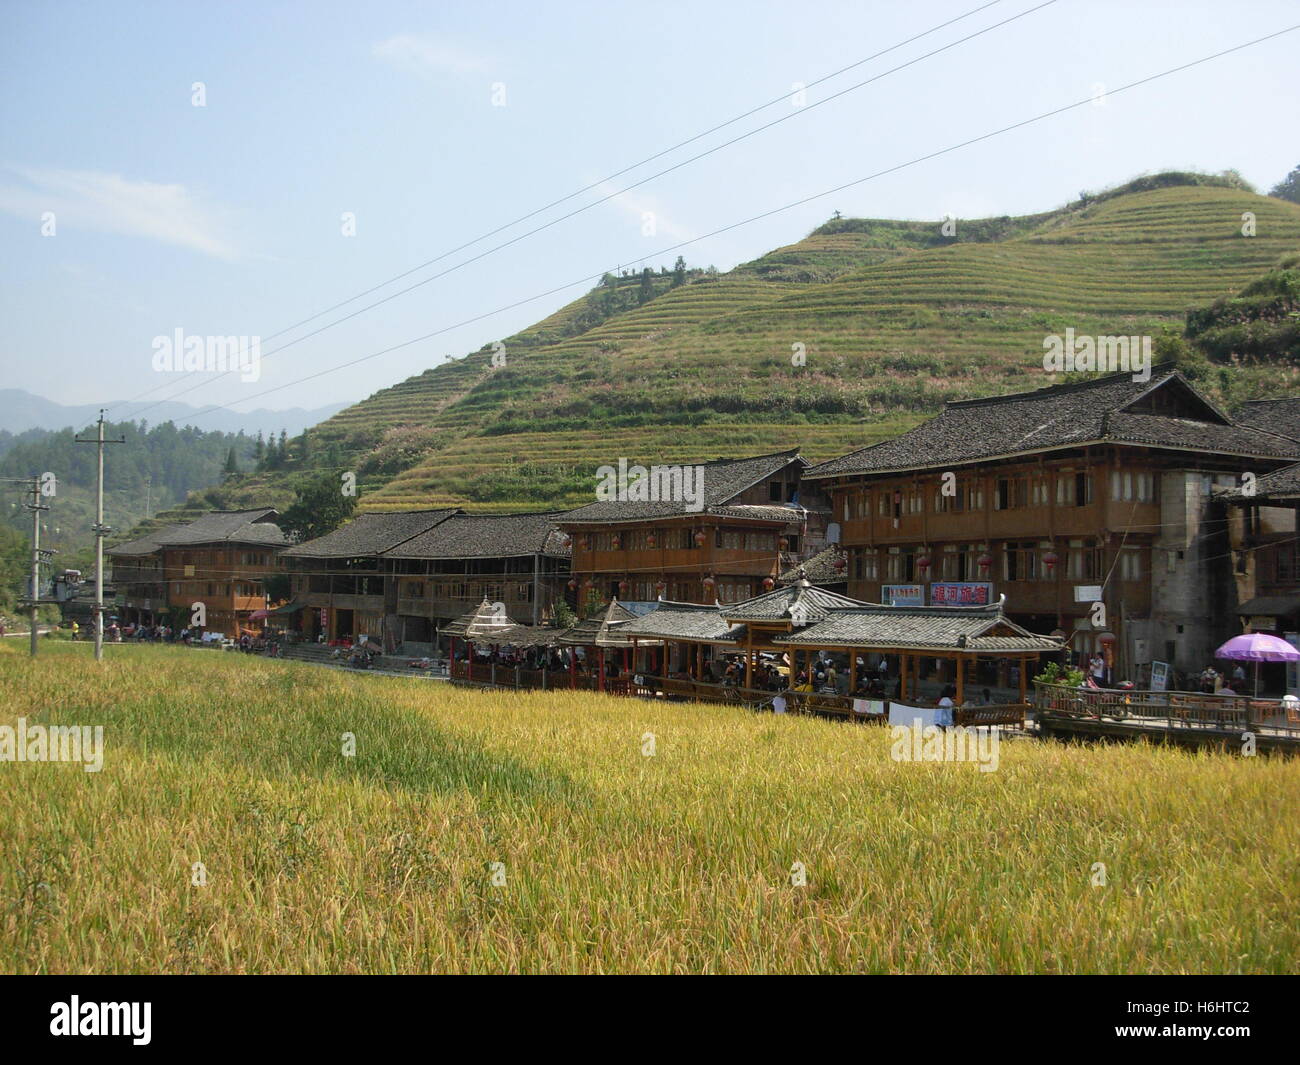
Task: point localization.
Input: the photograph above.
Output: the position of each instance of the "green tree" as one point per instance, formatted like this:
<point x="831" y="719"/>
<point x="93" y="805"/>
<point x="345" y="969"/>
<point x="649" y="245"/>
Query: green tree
<point x="232" y="464"/>
<point x="679" y="272"/>
<point x="1288" y="188"/>
<point x="320" y="508"/>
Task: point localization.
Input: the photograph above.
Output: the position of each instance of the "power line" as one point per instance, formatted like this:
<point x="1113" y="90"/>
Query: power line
<point x="580" y="210"/>
<point x="609" y="177"/>
<point x="758" y="217"/>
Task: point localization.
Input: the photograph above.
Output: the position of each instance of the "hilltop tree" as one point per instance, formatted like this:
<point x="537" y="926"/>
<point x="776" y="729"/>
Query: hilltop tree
<point x="679" y="272"/>
<point x="1288" y="188"/>
<point x="320" y="508"/>
<point x="232" y="464"/>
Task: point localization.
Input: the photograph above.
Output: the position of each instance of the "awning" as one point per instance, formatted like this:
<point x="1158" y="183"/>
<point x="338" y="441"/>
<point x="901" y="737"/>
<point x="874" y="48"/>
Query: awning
<point x="288" y="608"/>
<point x="1270" y="606"/>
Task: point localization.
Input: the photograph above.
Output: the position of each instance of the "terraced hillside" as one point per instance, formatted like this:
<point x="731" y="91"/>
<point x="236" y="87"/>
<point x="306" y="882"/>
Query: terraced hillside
<point x="893" y="317"/>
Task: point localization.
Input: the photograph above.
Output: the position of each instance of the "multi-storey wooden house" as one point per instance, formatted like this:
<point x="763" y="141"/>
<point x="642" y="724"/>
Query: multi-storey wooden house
<point x="752" y="519"/>
<point x="1062" y="499"/>
<point x="398" y="577"/>
<point x="209" y="570"/>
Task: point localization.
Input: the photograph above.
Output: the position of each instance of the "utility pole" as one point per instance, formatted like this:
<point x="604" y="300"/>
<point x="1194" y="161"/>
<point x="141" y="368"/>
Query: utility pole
<point x="100" y="530"/>
<point x="34" y="581"/>
<point x="148" y="498"/>
<point x="36" y="506"/>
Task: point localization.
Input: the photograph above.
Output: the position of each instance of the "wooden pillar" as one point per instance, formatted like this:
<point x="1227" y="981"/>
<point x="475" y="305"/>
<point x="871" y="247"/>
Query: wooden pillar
<point x="853" y="670"/>
<point x="573" y="667"/>
<point x="961" y="680"/>
<point x="1024" y="670"/>
<point x="469" y="660"/>
<point x="902" y="676"/>
<point x="600" y="657"/>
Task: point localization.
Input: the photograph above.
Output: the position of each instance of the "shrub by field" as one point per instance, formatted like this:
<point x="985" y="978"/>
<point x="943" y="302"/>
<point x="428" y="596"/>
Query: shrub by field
<point x="613" y="861"/>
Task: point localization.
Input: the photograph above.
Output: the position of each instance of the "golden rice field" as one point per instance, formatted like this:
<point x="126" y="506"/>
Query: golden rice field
<point x="612" y="860"/>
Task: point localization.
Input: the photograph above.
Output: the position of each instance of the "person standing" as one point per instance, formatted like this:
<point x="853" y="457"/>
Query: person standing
<point x="1097" y="667"/>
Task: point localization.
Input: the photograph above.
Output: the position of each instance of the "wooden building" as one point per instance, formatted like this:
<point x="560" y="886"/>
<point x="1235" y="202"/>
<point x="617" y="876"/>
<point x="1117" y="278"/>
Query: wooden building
<point x="136" y="571"/>
<point x="398" y="577"/>
<point x="1264" y="539"/>
<point x="1058" y="499"/>
<point x="218" y="561"/>
<point x="754" y="519"/>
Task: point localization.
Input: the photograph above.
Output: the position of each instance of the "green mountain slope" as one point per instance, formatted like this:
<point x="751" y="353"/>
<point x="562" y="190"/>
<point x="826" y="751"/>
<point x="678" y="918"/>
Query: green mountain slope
<point x="894" y="318"/>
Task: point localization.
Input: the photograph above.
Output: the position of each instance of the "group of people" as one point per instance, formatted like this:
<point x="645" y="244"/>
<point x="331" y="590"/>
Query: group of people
<point x="1213" y="682"/>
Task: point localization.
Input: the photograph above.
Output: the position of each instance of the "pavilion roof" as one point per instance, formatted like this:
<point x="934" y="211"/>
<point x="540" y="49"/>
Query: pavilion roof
<point x="602" y="629"/>
<point x="688" y="622"/>
<point x="939" y="629"/>
<point x="801" y="602"/>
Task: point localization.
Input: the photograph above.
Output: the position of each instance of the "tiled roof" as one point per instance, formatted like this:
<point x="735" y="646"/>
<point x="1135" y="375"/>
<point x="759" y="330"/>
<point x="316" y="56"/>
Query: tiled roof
<point x="145" y="545"/>
<point x="683" y="621"/>
<point x="801" y="601"/>
<point x="371" y="534"/>
<point x="486" y="536"/>
<point x="226" y="526"/>
<point x="724" y="480"/>
<point x="1280" y="416"/>
<point x="920" y="628"/>
<point x="789" y="512"/>
<point x="1270" y="606"/>
<point x="1113" y="408"/>
<point x="819" y="569"/>
<point x="1283" y="484"/>
<point x="604" y="629"/>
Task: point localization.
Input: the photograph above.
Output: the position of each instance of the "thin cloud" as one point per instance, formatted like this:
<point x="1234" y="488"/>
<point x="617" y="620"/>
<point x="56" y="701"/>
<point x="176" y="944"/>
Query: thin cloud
<point x="425" y="56"/>
<point x="638" y="206"/>
<point x="111" y="203"/>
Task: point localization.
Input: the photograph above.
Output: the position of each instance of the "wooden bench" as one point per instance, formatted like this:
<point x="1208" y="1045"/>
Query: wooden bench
<point x="1004" y="714"/>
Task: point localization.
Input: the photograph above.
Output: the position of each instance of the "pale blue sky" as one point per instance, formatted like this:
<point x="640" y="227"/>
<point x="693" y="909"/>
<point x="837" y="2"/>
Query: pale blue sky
<point x="225" y="219"/>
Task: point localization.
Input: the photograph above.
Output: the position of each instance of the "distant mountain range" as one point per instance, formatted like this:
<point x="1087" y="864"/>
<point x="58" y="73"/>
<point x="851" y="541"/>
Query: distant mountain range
<point x="21" y="410"/>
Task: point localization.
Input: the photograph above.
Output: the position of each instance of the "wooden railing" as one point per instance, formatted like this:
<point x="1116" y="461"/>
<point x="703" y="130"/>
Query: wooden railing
<point x="1172" y="709"/>
<point x="650" y="686"/>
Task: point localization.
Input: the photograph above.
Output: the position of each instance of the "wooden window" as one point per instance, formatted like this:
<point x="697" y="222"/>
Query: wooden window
<point x="1020" y="561"/>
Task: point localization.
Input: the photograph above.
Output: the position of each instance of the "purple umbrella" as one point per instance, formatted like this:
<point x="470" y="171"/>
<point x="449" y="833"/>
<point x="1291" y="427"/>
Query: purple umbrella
<point x="1257" y="647"/>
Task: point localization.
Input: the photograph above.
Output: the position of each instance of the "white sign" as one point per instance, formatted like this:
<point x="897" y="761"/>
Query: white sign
<point x="1159" y="676"/>
<point x="1087" y="593"/>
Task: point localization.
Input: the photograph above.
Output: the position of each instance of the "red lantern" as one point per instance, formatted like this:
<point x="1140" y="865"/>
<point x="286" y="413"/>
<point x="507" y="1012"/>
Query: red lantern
<point x="923" y="563"/>
<point x="841" y="564"/>
<point x="783" y="543"/>
<point x="622" y="587"/>
<point x="699" y="537"/>
<point x="985" y="561"/>
<point x="585" y="543"/>
<point x="768" y="584"/>
<point x="618" y="542"/>
<point x="573" y="584"/>
<point x="1050" y="560"/>
<point x="1106" y="639"/>
<point x="650" y="540"/>
<point x="661" y="587"/>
